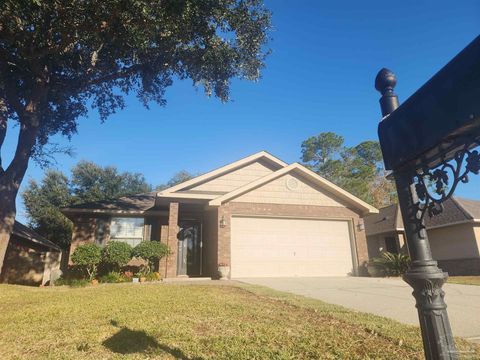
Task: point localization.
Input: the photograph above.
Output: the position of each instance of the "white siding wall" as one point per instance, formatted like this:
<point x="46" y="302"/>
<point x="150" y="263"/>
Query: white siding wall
<point x="237" y="178"/>
<point x="289" y="189"/>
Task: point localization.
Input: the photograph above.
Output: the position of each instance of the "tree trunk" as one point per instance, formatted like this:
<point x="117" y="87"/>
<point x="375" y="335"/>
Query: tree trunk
<point x="10" y="181"/>
<point x="8" y="193"/>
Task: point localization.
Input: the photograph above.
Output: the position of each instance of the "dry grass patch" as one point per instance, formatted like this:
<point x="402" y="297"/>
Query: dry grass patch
<point x="169" y="321"/>
<point x="464" y="280"/>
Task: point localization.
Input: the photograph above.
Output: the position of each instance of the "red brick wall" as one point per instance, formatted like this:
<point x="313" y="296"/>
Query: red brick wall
<point x="171" y="261"/>
<point x="162" y="266"/>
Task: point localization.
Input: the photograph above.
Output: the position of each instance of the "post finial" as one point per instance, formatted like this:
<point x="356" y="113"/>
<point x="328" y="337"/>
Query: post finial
<point x="385" y="82"/>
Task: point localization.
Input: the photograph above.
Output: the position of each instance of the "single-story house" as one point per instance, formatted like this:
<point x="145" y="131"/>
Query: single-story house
<point x="30" y="258"/>
<point x="259" y="215"/>
<point x="454" y="235"/>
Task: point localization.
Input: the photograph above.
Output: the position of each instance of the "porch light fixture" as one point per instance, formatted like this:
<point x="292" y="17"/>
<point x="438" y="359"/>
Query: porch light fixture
<point x="223" y="222"/>
<point x="361" y="225"/>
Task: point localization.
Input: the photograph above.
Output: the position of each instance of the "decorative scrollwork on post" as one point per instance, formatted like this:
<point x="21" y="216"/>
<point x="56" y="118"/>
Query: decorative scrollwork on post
<point x="434" y="186"/>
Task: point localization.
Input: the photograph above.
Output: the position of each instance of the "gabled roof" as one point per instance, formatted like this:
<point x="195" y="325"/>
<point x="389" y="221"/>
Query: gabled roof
<point x="128" y="204"/>
<point x="28" y="234"/>
<point x="455" y="211"/>
<point x="307" y="173"/>
<point x="173" y="191"/>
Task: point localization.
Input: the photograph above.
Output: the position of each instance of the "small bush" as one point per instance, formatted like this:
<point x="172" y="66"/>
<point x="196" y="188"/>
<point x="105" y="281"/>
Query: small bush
<point x="88" y="257"/>
<point x="112" y="277"/>
<point x="117" y="254"/>
<point x="72" y="282"/>
<point x="150" y="251"/>
<point x="393" y="264"/>
<point x="153" y="276"/>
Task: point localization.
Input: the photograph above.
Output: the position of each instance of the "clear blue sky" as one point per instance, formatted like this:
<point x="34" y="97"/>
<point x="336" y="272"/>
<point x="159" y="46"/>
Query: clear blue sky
<point x="319" y="77"/>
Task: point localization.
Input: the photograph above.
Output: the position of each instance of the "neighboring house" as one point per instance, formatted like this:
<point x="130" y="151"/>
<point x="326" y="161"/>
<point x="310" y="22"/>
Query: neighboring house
<point x="454" y="235"/>
<point x="30" y="258"/>
<point x="259" y="215"/>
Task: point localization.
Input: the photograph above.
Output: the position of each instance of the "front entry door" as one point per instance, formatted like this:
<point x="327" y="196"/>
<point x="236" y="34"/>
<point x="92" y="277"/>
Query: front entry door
<point x="189" y="256"/>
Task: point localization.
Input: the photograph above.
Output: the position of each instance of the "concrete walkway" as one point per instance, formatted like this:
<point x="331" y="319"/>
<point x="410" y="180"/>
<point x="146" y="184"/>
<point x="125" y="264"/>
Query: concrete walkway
<point x="386" y="297"/>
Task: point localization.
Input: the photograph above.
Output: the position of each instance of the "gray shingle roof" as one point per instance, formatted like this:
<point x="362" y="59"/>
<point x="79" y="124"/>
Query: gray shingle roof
<point x="454" y="210"/>
<point x="384" y="221"/>
<point x="139" y="202"/>
<point x="28" y="234"/>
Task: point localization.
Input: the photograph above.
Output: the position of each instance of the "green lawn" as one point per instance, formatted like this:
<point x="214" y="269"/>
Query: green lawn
<point x="179" y="321"/>
<point x="464" y="280"/>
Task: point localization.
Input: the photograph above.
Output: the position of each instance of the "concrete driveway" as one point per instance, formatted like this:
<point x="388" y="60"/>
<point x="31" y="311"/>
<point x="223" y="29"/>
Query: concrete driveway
<point x="386" y="297"/>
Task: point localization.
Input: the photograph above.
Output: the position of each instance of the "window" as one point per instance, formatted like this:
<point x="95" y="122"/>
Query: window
<point x="391" y="245"/>
<point x="129" y="230"/>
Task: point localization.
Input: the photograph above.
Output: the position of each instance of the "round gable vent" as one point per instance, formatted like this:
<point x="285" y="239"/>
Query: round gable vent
<point x="292" y="183"/>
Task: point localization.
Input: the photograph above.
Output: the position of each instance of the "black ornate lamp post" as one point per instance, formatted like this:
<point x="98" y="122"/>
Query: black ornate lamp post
<point x="427" y="142"/>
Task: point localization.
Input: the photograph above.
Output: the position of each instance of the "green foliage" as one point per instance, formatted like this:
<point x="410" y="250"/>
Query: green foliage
<point x="152" y="276"/>
<point x="393" y="264"/>
<point x="59" y="57"/>
<point x="91" y="182"/>
<point x="72" y="282"/>
<point x="358" y="169"/>
<point x="177" y="178"/>
<point x="117" y="254"/>
<point x="114" y="277"/>
<point x="42" y="203"/>
<point x="150" y="251"/>
<point x="88" y="256"/>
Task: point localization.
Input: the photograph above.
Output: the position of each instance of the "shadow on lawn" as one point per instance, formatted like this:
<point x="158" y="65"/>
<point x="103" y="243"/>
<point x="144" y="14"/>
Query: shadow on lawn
<point x="127" y="341"/>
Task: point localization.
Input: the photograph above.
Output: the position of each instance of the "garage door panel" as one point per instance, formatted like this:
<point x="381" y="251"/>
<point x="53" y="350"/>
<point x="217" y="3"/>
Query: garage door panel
<point x="284" y="247"/>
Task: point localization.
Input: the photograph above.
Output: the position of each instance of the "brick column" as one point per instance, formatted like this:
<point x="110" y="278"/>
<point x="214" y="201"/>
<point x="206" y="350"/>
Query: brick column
<point x="224" y="235"/>
<point x="162" y="266"/>
<point x="172" y="243"/>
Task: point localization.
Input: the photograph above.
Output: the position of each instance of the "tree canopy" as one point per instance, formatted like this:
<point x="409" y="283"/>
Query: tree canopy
<point x="91" y="182"/>
<point x="56" y="57"/>
<point x="42" y="203"/>
<point x="358" y="169"/>
<point x="88" y="182"/>
<point x="177" y="178"/>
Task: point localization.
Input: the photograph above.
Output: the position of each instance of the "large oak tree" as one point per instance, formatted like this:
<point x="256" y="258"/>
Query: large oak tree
<point x="59" y="56"/>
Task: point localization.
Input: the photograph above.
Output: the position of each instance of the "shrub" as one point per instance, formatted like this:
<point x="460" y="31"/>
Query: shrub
<point x="88" y="257"/>
<point x="72" y="282"/>
<point x="150" y="251"/>
<point x="393" y="264"/>
<point x="153" y="276"/>
<point x="117" y="254"/>
<point x="111" y="277"/>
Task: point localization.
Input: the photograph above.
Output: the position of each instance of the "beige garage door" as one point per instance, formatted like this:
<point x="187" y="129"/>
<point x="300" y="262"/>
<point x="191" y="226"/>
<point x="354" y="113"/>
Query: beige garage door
<point x="284" y="247"/>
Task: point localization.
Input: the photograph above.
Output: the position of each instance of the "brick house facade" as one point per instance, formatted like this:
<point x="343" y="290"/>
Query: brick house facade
<point x="258" y="215"/>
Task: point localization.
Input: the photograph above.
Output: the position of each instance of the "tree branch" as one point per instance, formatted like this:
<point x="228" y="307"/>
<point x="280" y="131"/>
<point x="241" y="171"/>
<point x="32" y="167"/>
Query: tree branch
<point x="3" y="131"/>
<point x="115" y="76"/>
